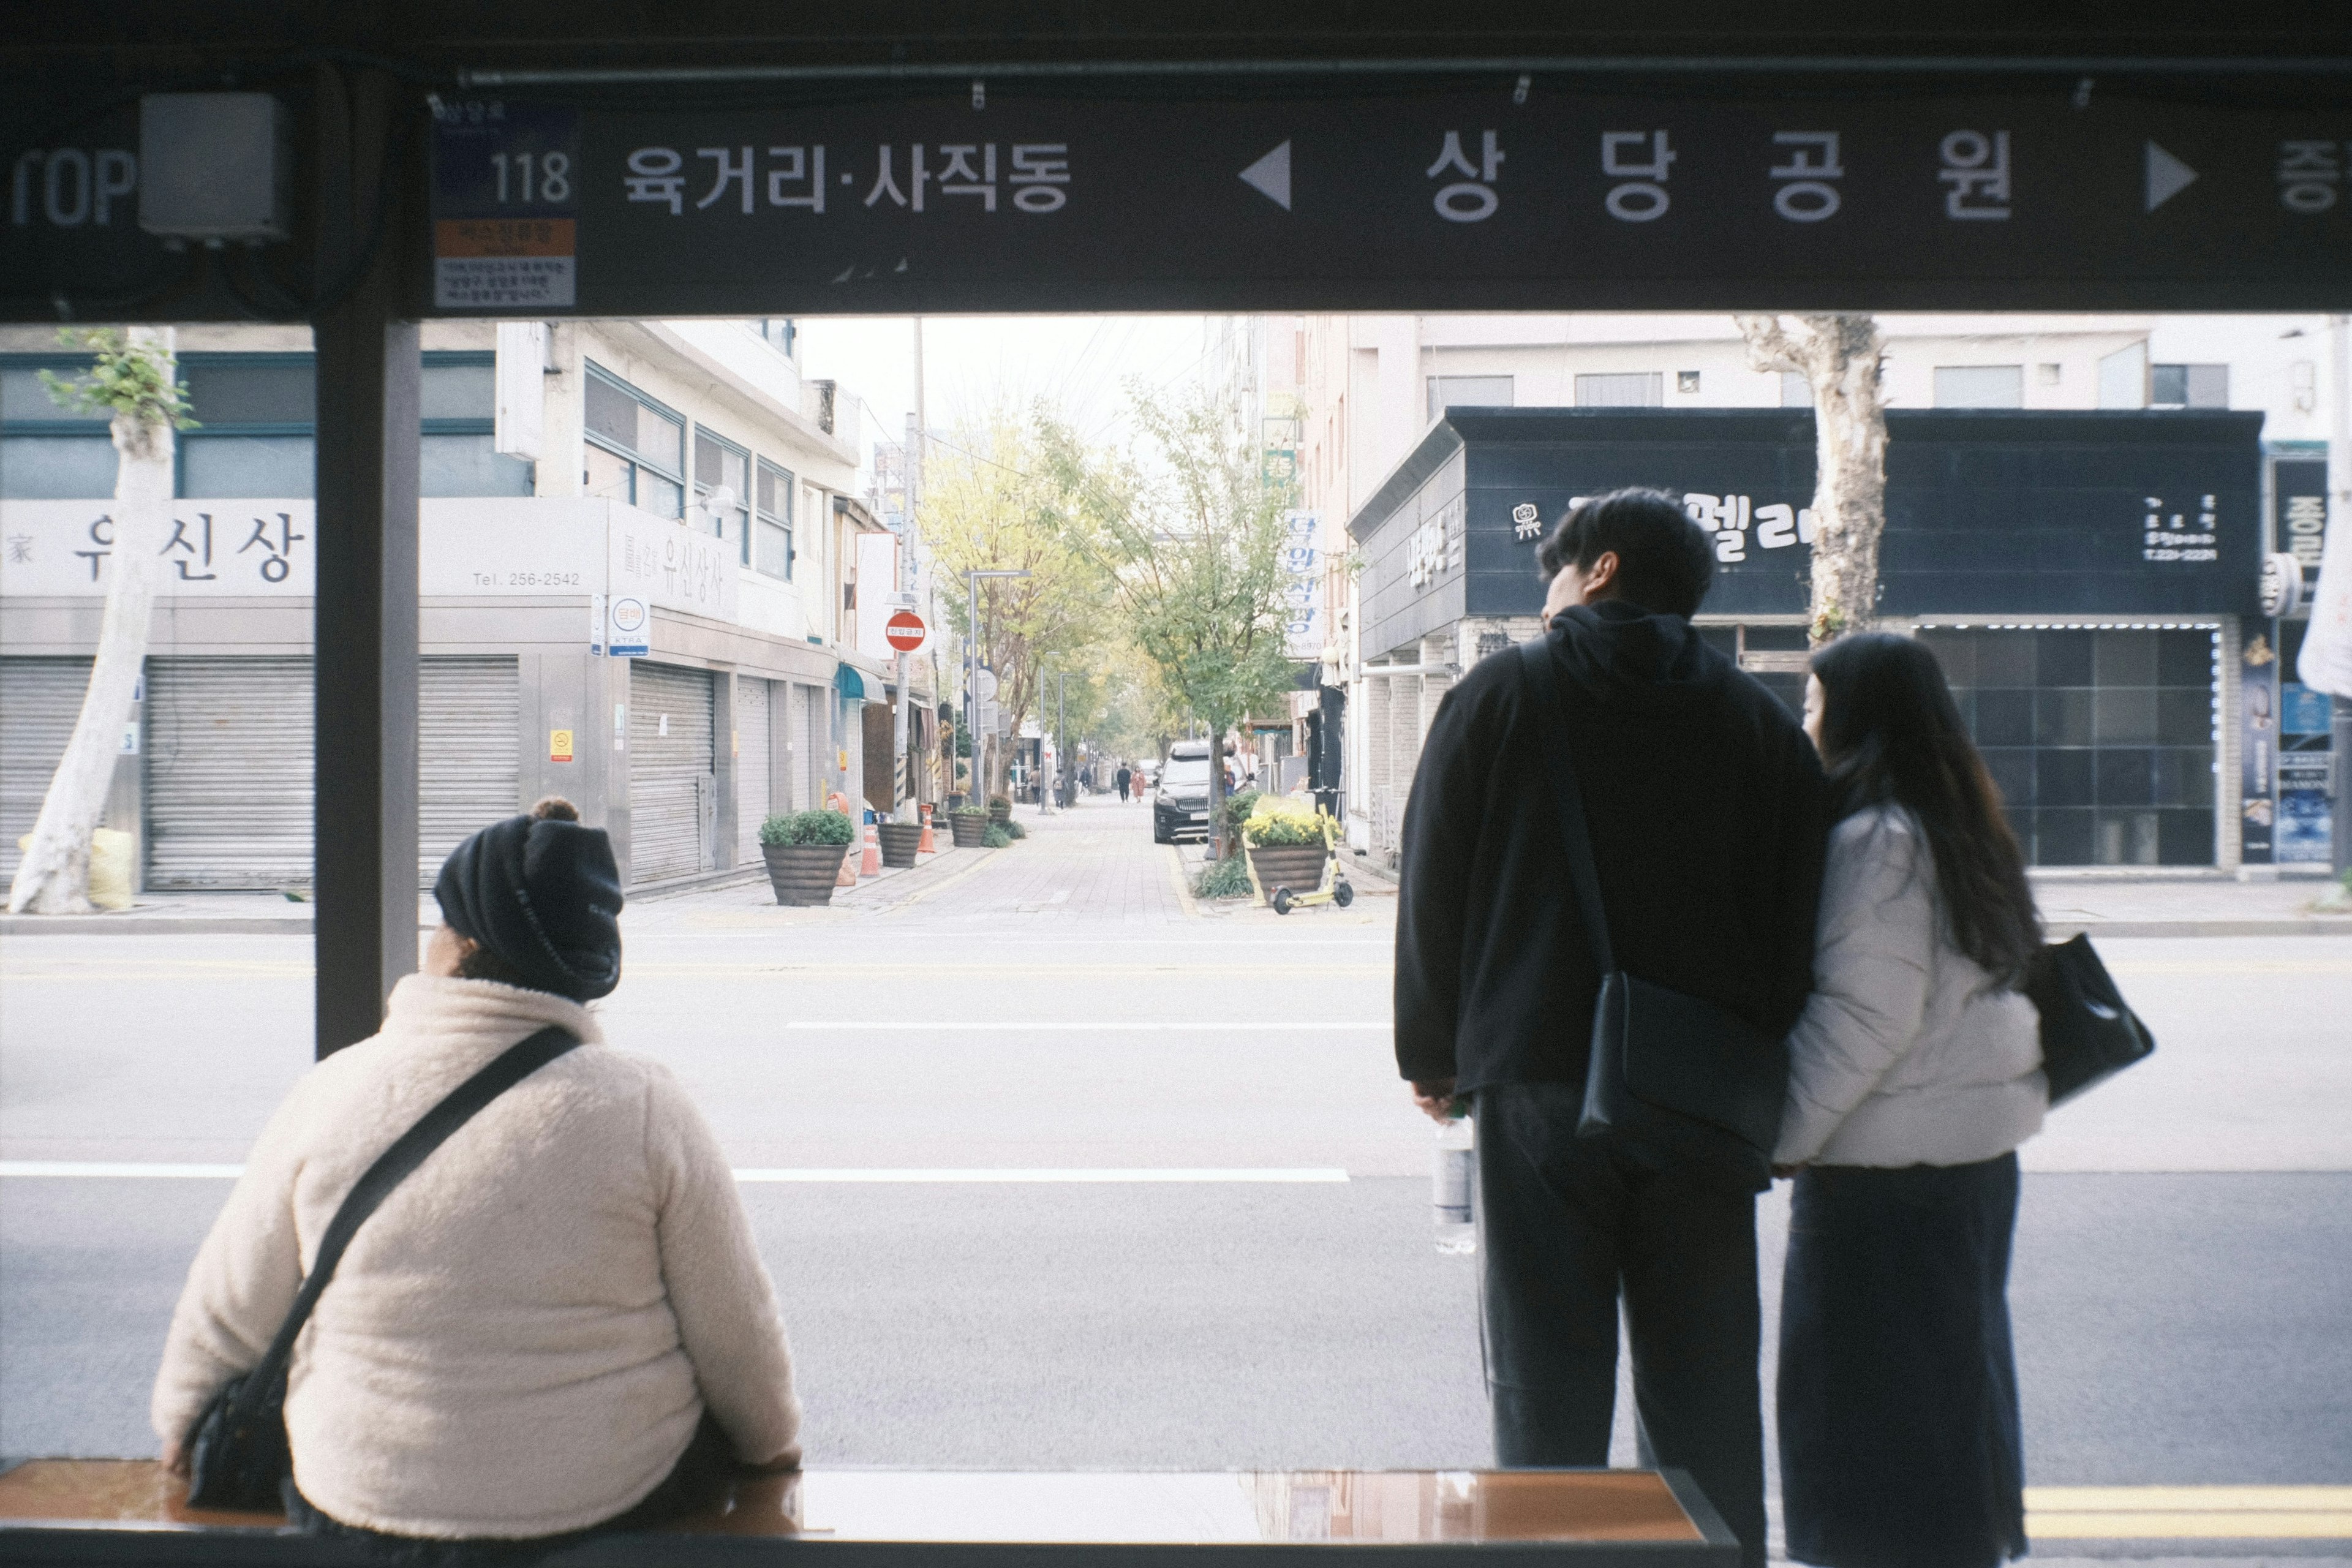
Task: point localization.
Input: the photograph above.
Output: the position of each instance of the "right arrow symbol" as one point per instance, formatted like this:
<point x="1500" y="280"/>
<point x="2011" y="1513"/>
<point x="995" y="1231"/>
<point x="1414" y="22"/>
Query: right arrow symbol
<point x="1270" y="176"/>
<point x="2168" y="176"/>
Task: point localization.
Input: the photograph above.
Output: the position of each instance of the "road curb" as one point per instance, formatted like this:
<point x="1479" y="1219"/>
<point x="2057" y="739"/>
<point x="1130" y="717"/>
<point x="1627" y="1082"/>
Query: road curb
<point x="156" y="925"/>
<point x="2059" y="930"/>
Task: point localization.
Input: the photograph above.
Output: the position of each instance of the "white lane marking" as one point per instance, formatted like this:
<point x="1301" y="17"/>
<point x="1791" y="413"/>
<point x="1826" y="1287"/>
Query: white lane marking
<point x="1104" y="1175"/>
<point x="1110" y="1175"/>
<point x="1108" y="1026"/>
<point x="117" y="1168"/>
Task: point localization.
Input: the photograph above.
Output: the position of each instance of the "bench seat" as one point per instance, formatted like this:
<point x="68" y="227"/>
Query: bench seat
<point x="116" y="1510"/>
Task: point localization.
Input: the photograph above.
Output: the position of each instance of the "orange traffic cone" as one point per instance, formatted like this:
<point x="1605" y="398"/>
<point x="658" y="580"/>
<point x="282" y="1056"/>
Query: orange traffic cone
<point x="926" y="846"/>
<point x="869" y="863"/>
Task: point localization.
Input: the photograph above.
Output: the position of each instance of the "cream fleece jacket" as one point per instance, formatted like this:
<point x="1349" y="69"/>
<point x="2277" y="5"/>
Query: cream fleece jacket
<point x="522" y="1338"/>
<point x="1908" y="1053"/>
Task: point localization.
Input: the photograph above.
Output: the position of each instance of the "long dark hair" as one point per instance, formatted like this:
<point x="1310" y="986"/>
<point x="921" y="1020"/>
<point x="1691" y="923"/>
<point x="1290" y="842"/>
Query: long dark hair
<point x="1891" y="734"/>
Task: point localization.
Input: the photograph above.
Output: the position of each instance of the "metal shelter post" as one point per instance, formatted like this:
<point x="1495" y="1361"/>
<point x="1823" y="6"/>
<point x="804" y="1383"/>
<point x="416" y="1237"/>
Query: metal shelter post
<point x="365" y="633"/>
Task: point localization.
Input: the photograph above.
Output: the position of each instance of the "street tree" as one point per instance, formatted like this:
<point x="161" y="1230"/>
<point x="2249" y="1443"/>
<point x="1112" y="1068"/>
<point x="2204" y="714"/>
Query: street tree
<point x="1199" y="550"/>
<point x="133" y="379"/>
<point x="994" y="498"/>
<point x="1840" y="358"/>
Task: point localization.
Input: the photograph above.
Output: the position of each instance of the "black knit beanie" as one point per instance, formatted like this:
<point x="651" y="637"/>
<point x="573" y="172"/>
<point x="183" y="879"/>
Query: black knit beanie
<point x="543" y="895"/>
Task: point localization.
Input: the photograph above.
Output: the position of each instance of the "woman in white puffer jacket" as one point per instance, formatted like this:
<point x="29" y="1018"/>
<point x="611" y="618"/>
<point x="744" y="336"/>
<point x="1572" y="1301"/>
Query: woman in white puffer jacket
<point x="1915" y="1073"/>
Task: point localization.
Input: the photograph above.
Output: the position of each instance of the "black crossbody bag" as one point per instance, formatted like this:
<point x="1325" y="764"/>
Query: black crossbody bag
<point x="1676" y="1072"/>
<point x="2088" y="1034"/>
<point x="237" y="1453"/>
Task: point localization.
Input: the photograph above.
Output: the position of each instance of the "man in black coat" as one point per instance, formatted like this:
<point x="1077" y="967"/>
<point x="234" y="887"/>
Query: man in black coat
<point x="1707" y="815"/>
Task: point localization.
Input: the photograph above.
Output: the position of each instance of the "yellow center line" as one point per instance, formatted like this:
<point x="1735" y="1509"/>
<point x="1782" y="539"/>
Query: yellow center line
<point x="2188" y="1513"/>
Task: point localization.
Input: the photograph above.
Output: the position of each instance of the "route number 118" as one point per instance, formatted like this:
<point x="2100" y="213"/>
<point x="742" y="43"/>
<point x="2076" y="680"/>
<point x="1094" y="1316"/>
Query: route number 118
<point x="516" y="172"/>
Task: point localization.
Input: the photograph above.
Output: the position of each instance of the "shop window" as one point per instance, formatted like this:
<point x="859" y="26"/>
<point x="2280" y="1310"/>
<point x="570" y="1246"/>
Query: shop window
<point x="2101" y="740"/>
<point x="636" y="446"/>
<point x="48" y="452"/>
<point x="1979" y="387"/>
<point x="2189" y="386"/>
<point x="773" y="505"/>
<point x="458" y="400"/>
<point x="1635" y="389"/>
<point x="720" y="464"/>
<point x="1467" y="392"/>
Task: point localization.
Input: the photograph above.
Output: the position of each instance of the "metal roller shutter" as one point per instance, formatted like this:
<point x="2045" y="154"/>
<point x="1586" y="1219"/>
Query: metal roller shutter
<point x="40" y="698"/>
<point x="469" y="773"/>
<point x="815" y="735"/>
<point x="673" y="786"/>
<point x="228" y="773"/>
<point x="751" y="805"/>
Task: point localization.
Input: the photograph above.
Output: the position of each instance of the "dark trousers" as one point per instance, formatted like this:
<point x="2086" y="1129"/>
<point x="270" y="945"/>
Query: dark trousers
<point x="1899" y="1435"/>
<point x="1568" y="1225"/>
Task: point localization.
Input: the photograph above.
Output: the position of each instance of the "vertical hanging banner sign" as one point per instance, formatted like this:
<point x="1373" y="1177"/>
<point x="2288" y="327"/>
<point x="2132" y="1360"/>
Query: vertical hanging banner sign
<point x="505" y="206"/>
<point x="2258" y="747"/>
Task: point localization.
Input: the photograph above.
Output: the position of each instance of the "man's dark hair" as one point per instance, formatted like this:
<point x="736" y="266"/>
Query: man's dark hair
<point x="1666" y="561"/>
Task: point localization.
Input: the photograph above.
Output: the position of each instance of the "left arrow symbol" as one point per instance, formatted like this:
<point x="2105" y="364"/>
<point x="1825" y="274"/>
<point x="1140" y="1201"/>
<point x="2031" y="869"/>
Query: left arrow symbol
<point x="1270" y="176"/>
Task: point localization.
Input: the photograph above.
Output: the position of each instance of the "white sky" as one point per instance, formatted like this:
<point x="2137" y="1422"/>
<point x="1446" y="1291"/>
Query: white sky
<point x="973" y="364"/>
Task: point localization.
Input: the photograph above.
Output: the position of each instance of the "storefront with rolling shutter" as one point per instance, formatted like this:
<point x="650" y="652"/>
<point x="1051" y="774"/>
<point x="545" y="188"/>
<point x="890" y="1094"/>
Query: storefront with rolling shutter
<point x="228" y="773"/>
<point x="468" y="761"/>
<point x="751" y="770"/>
<point x="673" y="776"/>
<point x="40" y="698"/>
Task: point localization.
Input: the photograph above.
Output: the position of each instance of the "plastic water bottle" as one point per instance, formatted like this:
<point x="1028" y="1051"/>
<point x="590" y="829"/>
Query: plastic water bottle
<point x="1453" y="1184"/>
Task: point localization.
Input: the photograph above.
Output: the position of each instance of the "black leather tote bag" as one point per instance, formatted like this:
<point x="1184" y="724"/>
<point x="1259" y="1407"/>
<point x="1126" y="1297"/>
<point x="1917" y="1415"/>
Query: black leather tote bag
<point x="237" y="1455"/>
<point x="2088" y="1034"/>
<point x="1679" y="1073"/>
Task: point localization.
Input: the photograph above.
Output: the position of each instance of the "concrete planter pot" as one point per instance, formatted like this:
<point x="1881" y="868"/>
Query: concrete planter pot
<point x="968" y="831"/>
<point x="803" y="873"/>
<point x="900" y="842"/>
<point x="1298" y="866"/>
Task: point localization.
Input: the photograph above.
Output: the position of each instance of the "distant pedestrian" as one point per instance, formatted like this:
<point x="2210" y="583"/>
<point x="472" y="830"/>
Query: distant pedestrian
<point x="1124" y="778"/>
<point x="1705" y="812"/>
<point x="1914" y="1075"/>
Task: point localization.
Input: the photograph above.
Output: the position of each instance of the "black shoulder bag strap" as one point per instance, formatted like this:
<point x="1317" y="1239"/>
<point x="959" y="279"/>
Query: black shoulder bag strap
<point x="1544" y="697"/>
<point x="509" y="1068"/>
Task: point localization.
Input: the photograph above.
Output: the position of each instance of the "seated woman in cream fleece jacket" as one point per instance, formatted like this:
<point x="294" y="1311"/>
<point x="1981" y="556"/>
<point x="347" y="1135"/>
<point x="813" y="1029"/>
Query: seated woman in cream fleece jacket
<point x="524" y="1338"/>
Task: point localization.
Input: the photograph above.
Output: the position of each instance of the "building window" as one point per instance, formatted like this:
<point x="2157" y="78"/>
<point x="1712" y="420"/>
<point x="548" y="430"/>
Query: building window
<point x="459" y="404"/>
<point x="1979" y="387"/>
<point x="636" y="448"/>
<point x="780" y="334"/>
<point x="2101" y="740"/>
<point x="257" y="417"/>
<point x="720" y="464"/>
<point x="48" y="452"/>
<point x="1467" y="392"/>
<point x="773" y="504"/>
<point x="2189" y="386"/>
<point x="1796" y="392"/>
<point x="1637" y="389"/>
<point x="1686" y="382"/>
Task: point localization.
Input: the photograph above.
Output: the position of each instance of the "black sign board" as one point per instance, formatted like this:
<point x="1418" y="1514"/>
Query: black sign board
<point x="1404" y="195"/>
<point x="2039" y="513"/>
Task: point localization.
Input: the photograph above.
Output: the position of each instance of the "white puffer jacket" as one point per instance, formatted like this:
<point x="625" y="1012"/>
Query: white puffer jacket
<point x="521" y="1340"/>
<point x="1908" y="1053"/>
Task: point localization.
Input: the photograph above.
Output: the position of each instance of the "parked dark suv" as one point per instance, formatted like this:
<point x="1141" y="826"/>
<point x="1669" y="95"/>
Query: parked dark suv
<point x="1179" y="805"/>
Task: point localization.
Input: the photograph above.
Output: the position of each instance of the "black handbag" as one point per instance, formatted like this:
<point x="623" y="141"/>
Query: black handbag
<point x="237" y="1455"/>
<point x="2088" y="1034"/>
<point x="1681" y="1074"/>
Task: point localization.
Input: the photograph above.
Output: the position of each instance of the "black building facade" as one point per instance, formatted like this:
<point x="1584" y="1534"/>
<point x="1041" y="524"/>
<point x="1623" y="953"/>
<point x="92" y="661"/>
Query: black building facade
<point x="2084" y="577"/>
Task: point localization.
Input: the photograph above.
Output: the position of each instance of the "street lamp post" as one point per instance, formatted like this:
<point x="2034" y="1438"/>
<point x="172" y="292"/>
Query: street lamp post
<point x="971" y="661"/>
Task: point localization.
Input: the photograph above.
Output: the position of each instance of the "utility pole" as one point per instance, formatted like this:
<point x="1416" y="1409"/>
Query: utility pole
<point x="908" y="535"/>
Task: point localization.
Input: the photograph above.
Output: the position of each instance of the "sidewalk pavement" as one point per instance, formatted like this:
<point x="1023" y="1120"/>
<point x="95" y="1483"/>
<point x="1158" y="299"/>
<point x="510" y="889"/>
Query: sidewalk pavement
<point x="2108" y="904"/>
<point x="728" y="898"/>
<point x="2126" y="903"/>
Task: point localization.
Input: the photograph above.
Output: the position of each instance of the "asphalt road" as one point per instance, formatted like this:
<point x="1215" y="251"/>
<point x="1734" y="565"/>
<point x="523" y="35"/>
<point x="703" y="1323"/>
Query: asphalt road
<point x="2183" y="1286"/>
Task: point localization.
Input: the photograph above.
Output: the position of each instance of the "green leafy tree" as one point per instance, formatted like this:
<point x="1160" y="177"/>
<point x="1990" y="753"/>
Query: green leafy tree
<point x="133" y="380"/>
<point x="994" y="498"/>
<point x="1199" y="576"/>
